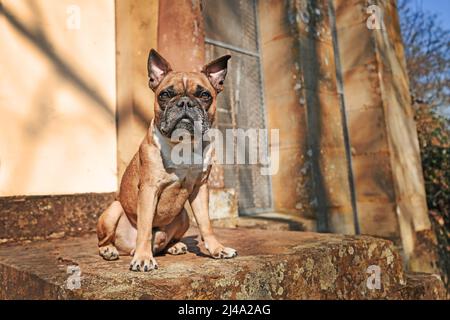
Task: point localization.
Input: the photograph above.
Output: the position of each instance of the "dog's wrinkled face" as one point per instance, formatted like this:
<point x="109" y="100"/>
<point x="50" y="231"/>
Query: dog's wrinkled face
<point x="185" y="98"/>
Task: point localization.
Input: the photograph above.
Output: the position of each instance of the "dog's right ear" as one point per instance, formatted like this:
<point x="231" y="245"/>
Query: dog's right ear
<point x="157" y="68"/>
<point x="216" y="72"/>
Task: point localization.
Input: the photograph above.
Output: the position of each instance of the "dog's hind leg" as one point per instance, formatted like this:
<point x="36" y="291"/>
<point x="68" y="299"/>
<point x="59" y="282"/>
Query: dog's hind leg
<point x="106" y="231"/>
<point x="174" y="232"/>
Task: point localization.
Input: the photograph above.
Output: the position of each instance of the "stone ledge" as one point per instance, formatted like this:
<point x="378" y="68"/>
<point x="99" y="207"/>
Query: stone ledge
<point x="270" y="265"/>
<point x="51" y="216"/>
<point x="267" y="221"/>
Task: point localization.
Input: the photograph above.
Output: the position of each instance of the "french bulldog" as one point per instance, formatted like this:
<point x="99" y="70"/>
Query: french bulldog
<point x="149" y="215"/>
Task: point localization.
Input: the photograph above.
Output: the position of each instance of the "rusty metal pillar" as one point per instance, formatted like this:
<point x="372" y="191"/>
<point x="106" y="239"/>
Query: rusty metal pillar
<point x="181" y="38"/>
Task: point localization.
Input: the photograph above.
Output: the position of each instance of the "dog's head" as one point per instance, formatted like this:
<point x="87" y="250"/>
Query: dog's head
<point x="185" y="98"/>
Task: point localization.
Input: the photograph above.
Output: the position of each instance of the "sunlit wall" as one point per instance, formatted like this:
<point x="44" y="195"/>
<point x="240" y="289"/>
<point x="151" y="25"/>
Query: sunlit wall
<point x="57" y="97"/>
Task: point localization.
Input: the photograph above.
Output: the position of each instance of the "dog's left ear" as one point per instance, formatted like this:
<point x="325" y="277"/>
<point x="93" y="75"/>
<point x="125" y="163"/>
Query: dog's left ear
<point x="216" y="72"/>
<point x="157" y="67"/>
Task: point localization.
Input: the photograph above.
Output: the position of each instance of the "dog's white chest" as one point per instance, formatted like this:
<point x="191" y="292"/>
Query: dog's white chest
<point x="187" y="171"/>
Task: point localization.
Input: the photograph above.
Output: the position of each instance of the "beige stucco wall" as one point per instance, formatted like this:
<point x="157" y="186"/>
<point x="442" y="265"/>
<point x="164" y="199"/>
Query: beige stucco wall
<point x="57" y="97"/>
<point x="136" y="34"/>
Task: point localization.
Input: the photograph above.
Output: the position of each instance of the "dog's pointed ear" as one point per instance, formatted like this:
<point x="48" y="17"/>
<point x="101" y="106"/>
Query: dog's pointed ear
<point x="157" y="67"/>
<point x="216" y="72"/>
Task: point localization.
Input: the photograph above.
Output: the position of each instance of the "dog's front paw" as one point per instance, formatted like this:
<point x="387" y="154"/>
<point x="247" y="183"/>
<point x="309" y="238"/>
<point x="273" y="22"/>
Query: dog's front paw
<point x="224" y="253"/>
<point x="143" y="262"/>
<point x="109" y="252"/>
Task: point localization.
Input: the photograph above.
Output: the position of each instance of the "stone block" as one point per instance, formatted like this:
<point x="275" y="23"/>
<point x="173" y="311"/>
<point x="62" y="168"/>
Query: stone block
<point x="378" y="218"/>
<point x="356" y="46"/>
<point x="270" y="265"/>
<point x="362" y="87"/>
<point x="373" y="178"/>
<point x="367" y="131"/>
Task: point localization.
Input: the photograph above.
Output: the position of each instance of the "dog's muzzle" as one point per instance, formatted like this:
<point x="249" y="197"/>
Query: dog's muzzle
<point x="184" y="114"/>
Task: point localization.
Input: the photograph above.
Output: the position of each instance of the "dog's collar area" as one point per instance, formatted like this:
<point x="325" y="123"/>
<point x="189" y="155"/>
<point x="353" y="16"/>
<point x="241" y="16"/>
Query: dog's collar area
<point x="200" y="158"/>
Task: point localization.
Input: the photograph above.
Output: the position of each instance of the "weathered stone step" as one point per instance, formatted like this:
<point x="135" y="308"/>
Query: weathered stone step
<point x="270" y="265"/>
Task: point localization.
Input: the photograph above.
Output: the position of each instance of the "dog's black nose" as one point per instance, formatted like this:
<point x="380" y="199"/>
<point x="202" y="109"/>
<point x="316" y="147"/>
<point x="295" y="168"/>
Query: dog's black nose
<point x="184" y="102"/>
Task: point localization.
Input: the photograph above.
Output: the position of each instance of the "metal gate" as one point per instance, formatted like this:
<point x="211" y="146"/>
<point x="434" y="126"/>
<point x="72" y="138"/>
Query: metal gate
<point x="231" y="27"/>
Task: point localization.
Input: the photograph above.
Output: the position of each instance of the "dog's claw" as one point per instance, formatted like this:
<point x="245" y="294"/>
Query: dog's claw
<point x="225" y="253"/>
<point x="144" y="265"/>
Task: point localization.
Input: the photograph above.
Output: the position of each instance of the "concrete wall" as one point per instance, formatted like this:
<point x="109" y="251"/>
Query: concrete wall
<point x="366" y="118"/>
<point x="386" y="158"/>
<point x="303" y="103"/>
<point x="327" y="74"/>
<point x="401" y="130"/>
<point x="57" y="97"/>
<point x="292" y="190"/>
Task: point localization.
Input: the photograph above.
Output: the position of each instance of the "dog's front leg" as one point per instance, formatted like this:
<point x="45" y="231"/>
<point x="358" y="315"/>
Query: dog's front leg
<point x="200" y="206"/>
<point x="143" y="257"/>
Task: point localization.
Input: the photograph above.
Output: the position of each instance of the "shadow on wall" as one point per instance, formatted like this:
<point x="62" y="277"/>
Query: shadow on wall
<point x="37" y="36"/>
<point x="59" y="115"/>
<point x="305" y="28"/>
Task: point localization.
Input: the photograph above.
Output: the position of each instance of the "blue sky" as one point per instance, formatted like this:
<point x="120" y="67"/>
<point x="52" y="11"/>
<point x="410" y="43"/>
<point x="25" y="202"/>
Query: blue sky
<point x="440" y="7"/>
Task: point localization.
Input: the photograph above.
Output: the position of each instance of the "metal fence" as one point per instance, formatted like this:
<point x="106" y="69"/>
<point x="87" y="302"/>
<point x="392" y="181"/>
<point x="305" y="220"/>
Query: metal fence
<point x="231" y="27"/>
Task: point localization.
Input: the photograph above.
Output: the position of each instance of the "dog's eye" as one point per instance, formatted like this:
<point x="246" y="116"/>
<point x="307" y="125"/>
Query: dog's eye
<point x="164" y="95"/>
<point x="205" y="95"/>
